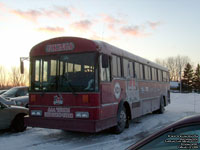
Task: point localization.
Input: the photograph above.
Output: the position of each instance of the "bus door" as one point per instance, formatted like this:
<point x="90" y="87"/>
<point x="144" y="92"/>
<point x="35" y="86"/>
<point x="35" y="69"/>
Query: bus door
<point x="132" y="90"/>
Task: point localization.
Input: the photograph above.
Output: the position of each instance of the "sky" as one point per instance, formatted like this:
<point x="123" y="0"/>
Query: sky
<point x="148" y="28"/>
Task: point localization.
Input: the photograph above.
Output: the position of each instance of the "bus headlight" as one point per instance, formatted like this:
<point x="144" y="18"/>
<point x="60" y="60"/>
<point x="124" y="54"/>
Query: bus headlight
<point x="82" y="115"/>
<point x="36" y="113"/>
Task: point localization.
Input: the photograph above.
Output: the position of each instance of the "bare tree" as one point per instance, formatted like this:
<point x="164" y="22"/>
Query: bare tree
<point x="181" y="62"/>
<point x="2" y="77"/>
<point x="160" y="61"/>
<point x="171" y="65"/>
<point x="175" y="65"/>
<point x="18" y="79"/>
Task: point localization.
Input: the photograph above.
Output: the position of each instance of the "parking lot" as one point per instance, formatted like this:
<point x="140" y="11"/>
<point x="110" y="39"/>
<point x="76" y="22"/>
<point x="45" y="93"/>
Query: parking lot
<point x="37" y="138"/>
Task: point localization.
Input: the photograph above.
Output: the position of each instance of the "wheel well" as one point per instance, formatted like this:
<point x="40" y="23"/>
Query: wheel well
<point x="164" y="98"/>
<point x="18" y="115"/>
<point x="128" y="110"/>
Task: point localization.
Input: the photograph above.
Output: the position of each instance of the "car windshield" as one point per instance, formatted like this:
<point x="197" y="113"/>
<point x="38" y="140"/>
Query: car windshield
<point x="67" y="73"/>
<point x="10" y="93"/>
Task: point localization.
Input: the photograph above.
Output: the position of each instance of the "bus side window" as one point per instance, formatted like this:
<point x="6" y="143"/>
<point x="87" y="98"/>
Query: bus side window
<point x="159" y="75"/>
<point x="114" y="66"/>
<point x="137" y="70"/>
<point x="105" y="72"/>
<point x="141" y="71"/>
<point x="119" y="66"/>
<point x="150" y="73"/>
<point x="130" y="65"/>
<point x="133" y="66"/>
<point x="37" y="70"/>
<point x="146" y="73"/>
<point x="154" y="74"/>
<point x="164" y="76"/>
<point x="125" y="67"/>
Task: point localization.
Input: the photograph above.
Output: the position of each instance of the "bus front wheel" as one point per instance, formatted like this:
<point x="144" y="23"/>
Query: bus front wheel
<point x="121" y="120"/>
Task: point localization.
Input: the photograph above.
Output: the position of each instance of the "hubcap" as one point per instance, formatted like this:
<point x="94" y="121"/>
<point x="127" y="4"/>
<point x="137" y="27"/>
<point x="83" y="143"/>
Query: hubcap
<point x="122" y="119"/>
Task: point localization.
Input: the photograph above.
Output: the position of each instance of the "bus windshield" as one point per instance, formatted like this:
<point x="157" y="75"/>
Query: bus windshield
<point x="65" y="73"/>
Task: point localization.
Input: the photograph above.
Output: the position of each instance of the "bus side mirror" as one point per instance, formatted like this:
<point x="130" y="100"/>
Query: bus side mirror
<point x="105" y="60"/>
<point x="21" y="66"/>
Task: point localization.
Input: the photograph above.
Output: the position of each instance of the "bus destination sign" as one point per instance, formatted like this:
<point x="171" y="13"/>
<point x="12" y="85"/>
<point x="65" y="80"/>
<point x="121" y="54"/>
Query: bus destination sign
<point x="68" y="46"/>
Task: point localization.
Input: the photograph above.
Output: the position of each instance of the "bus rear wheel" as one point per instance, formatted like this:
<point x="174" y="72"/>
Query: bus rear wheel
<point x="162" y="107"/>
<point x="121" y="121"/>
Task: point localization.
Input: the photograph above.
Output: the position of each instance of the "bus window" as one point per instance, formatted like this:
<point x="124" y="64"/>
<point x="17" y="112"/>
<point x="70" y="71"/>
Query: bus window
<point x="61" y="68"/>
<point x="114" y="66"/>
<point x="133" y="66"/>
<point x="154" y="74"/>
<point x="53" y="68"/>
<point x="41" y="74"/>
<point x="165" y="76"/>
<point x="159" y="75"/>
<point x="125" y="68"/>
<point x="45" y="70"/>
<point x="77" y="68"/>
<point x="141" y="71"/>
<point x="137" y="70"/>
<point x="105" y="72"/>
<point x="130" y="66"/>
<point x="150" y="73"/>
<point x="37" y="70"/>
<point x="146" y="72"/>
<point x="119" y="73"/>
<point x="70" y="67"/>
<point x="86" y="68"/>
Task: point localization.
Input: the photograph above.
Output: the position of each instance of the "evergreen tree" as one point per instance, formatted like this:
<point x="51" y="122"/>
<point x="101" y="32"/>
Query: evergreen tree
<point x="187" y="82"/>
<point x="196" y="83"/>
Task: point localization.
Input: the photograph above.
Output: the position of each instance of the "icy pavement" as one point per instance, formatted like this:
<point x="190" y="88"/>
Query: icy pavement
<point x="48" y="139"/>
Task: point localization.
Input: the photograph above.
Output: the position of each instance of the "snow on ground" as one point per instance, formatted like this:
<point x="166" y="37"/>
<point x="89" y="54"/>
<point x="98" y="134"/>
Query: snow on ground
<point x="49" y="139"/>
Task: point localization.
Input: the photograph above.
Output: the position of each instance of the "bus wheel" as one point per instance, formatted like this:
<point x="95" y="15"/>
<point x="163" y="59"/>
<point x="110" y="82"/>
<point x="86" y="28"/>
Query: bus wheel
<point x="162" y="107"/>
<point x="121" y="121"/>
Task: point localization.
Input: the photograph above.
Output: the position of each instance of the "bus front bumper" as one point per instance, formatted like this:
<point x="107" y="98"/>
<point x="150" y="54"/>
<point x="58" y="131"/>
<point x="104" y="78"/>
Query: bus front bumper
<point x="80" y="125"/>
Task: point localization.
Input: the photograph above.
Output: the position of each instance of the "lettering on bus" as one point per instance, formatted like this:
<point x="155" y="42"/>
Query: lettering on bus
<point x="68" y="46"/>
<point x="58" y="112"/>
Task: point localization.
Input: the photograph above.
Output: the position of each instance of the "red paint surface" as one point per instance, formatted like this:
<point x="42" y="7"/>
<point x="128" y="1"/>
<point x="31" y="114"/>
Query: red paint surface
<point x="80" y="45"/>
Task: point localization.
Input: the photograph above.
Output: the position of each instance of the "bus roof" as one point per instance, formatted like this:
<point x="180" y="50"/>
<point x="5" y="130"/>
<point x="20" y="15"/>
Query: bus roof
<point x="62" y="45"/>
<point x="110" y="49"/>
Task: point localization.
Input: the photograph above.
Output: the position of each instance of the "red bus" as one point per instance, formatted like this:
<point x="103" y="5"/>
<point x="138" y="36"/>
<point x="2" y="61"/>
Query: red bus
<point x="84" y="85"/>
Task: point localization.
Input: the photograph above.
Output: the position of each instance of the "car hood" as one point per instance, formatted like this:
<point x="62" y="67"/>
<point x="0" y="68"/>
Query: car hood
<point x="19" y="109"/>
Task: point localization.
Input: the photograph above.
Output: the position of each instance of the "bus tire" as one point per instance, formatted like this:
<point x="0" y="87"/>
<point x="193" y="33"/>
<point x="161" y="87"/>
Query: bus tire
<point x="121" y="120"/>
<point x="162" y="106"/>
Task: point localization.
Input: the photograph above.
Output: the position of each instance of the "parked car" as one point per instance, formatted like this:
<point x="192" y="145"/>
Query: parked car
<point x="7" y="101"/>
<point x="15" y="92"/>
<point x="21" y="100"/>
<point x="2" y="91"/>
<point x="12" y="117"/>
<point x="183" y="134"/>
